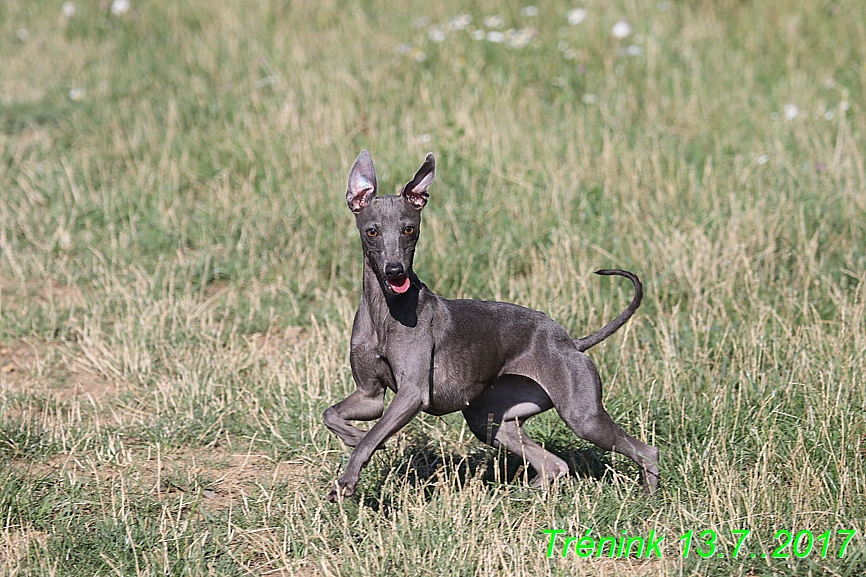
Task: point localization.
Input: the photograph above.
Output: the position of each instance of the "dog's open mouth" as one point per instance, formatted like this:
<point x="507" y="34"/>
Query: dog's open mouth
<point x="399" y="285"/>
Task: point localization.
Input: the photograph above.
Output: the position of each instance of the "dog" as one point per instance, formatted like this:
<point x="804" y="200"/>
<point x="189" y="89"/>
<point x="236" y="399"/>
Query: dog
<point x="499" y="363"/>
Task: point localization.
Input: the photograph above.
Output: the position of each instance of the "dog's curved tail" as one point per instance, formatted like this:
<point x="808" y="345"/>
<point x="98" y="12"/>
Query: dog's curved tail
<point x="584" y="343"/>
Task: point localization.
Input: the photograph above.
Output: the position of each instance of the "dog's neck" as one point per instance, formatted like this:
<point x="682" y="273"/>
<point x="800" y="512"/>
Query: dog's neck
<point x="384" y="305"/>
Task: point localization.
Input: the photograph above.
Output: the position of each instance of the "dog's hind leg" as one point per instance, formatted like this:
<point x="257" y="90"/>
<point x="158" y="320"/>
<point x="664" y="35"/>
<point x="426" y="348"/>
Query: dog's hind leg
<point x="580" y="407"/>
<point x="497" y="416"/>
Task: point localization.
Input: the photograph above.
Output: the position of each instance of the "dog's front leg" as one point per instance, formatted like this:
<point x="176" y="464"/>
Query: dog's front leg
<point x="367" y="402"/>
<point x="364" y="404"/>
<point x="408" y="402"/>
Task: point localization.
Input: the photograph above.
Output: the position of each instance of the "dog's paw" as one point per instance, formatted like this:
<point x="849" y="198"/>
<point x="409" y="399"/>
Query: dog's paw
<point x="544" y="482"/>
<point x="553" y="470"/>
<point x="650" y="483"/>
<point x="340" y="492"/>
<point x="540" y="482"/>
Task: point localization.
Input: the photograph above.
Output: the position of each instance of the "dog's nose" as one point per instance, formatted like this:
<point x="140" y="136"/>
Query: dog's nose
<point x="394" y="270"/>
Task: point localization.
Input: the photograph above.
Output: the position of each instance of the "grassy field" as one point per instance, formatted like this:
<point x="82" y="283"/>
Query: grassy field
<point x="179" y="273"/>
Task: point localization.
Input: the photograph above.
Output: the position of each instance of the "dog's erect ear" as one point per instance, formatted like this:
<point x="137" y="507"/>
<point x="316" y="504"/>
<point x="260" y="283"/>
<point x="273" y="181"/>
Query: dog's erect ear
<point x="415" y="191"/>
<point x="362" y="182"/>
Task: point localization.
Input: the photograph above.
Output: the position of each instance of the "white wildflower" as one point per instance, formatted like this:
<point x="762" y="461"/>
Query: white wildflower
<point x="77" y="94"/>
<point x="496" y="37"/>
<point x="495" y="21"/>
<point x="621" y="29"/>
<point x="460" y="22"/>
<point x="119" y="7"/>
<point x="791" y="111"/>
<point x="404" y="48"/>
<point x="68" y="9"/>
<point x="436" y="34"/>
<point x="590" y="98"/>
<point x="479" y="34"/>
<point x="22" y="34"/>
<point x="763" y="159"/>
<point x="529" y="11"/>
<point x="423" y="138"/>
<point x="576" y="16"/>
<point x="518" y="42"/>
<point x="523" y="37"/>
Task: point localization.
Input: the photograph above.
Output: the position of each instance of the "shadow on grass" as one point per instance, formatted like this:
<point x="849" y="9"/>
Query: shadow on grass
<point x="426" y="467"/>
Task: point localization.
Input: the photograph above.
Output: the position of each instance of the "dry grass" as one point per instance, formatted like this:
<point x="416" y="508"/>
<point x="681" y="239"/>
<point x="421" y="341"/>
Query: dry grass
<point x="178" y="275"/>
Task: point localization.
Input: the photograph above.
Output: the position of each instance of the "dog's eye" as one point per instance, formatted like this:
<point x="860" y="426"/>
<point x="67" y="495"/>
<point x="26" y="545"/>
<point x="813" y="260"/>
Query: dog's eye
<point x="372" y="232"/>
<point x="408" y="229"/>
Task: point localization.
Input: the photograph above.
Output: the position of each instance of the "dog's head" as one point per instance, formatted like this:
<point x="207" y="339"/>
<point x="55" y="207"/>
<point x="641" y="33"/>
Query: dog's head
<point x="389" y="225"/>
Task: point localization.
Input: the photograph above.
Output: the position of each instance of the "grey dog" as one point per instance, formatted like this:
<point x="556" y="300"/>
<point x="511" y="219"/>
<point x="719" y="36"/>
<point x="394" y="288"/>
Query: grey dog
<point x="499" y="363"/>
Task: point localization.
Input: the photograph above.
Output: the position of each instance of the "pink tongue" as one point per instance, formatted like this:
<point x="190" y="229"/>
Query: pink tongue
<point x="402" y="287"/>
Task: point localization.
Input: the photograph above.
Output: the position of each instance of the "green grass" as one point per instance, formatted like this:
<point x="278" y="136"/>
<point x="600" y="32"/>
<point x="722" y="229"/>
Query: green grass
<point x="179" y="272"/>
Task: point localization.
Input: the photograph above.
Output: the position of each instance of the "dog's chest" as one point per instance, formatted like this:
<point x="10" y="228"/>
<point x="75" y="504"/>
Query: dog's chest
<point x="450" y="382"/>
